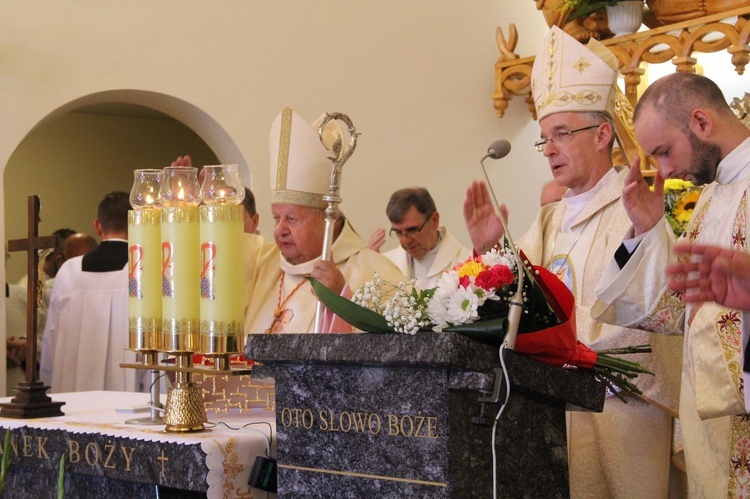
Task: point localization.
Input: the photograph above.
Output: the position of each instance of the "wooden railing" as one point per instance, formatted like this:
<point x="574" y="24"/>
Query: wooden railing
<point x="675" y="42"/>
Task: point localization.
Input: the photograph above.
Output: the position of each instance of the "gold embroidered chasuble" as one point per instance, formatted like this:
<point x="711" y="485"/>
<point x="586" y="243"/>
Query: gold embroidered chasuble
<point x="715" y="428"/>
<point x="263" y="269"/>
<point x="624" y="451"/>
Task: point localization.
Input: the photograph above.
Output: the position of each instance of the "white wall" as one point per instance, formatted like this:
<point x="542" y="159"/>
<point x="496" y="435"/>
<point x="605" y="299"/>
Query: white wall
<point x="415" y="76"/>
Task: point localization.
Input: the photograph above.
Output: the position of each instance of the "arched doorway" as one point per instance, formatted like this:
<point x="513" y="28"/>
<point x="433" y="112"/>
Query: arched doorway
<point x="91" y="146"/>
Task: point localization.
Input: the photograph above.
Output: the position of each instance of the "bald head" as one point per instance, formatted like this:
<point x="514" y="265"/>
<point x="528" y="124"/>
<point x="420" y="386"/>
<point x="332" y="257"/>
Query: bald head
<point x="79" y="244"/>
<point x="675" y="96"/>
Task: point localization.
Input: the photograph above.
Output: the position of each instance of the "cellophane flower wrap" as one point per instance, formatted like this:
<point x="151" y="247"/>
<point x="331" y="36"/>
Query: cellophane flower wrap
<point x="474" y="298"/>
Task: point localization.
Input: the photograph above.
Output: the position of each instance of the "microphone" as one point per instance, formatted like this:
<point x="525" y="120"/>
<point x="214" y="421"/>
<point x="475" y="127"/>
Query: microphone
<point x="498" y="149"/>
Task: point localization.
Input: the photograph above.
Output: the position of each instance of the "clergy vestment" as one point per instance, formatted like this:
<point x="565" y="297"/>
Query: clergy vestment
<point x="15" y="326"/>
<point x="626" y="450"/>
<point x="272" y="283"/>
<point x="426" y="271"/>
<point x="715" y="427"/>
<point x="86" y="334"/>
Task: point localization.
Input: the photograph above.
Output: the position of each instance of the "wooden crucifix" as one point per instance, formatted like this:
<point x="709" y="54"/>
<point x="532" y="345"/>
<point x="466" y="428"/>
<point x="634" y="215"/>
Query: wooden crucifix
<point x="31" y="400"/>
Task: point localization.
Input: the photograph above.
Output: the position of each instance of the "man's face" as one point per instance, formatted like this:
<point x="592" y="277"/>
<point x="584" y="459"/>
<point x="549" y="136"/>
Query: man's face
<point x="298" y="232"/>
<point x="52" y="263"/>
<point x="680" y="155"/>
<point x="414" y="241"/>
<point x="571" y="156"/>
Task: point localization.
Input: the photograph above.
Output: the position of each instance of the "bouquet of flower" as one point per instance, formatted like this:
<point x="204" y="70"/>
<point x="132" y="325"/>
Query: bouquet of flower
<point x="474" y="299"/>
<point x="680" y="197"/>
<point x="474" y="291"/>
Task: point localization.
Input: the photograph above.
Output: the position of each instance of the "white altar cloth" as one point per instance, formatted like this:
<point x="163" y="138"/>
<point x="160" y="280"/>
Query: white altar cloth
<point x="230" y="454"/>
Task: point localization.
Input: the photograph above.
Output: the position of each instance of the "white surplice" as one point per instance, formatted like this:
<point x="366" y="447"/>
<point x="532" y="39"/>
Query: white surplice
<point x="86" y="333"/>
<point x="624" y="451"/>
<point x="264" y="292"/>
<point x="715" y="427"/>
<point x="427" y="270"/>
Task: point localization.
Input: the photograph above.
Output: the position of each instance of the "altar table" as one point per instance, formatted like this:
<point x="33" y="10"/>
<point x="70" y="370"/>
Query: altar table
<point x="106" y="457"/>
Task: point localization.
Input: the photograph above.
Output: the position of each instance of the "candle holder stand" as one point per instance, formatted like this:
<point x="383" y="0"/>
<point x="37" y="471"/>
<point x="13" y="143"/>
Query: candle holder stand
<point x="185" y="409"/>
<point x="149" y="359"/>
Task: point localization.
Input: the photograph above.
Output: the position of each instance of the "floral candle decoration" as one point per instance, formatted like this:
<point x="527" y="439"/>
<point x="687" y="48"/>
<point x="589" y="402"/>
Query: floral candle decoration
<point x="221" y="275"/>
<point x="144" y="263"/>
<point x="180" y="259"/>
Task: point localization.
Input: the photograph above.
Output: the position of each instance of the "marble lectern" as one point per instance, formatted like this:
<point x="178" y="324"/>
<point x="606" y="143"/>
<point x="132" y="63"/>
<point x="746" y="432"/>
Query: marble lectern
<point x="391" y="415"/>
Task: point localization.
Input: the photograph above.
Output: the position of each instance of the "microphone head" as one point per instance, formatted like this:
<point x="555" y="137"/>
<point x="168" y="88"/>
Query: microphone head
<point x="498" y="149"/>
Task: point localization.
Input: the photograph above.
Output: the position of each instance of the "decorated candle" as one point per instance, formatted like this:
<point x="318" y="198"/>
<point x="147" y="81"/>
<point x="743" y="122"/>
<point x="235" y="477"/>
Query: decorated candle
<point x="180" y="259"/>
<point x="144" y="279"/>
<point x="222" y="273"/>
<point x="144" y="274"/>
<point x="222" y="278"/>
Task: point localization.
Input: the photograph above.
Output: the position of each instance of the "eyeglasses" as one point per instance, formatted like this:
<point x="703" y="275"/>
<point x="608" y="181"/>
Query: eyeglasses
<point x="409" y="231"/>
<point x="561" y="138"/>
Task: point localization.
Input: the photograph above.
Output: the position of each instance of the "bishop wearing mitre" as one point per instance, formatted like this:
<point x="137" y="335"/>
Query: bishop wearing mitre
<point x="278" y="297"/>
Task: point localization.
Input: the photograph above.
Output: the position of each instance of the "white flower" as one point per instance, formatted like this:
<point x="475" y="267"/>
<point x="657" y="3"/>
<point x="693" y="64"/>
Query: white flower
<point x="499" y="257"/>
<point x="462" y="307"/>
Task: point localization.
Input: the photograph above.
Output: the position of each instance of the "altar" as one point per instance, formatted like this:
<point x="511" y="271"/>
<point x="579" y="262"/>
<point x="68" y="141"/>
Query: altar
<point x="104" y="455"/>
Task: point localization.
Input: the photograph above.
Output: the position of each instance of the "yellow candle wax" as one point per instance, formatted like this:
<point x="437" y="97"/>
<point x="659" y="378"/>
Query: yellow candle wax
<point x="144" y="279"/>
<point x="180" y="255"/>
<point x="222" y="278"/>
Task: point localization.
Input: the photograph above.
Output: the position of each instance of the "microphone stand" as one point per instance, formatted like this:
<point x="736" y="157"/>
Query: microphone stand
<point x="516" y="305"/>
<point x="340" y="156"/>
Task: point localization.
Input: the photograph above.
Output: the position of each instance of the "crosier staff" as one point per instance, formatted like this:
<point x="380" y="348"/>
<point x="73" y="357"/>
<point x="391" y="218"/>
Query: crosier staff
<point x="340" y="156"/>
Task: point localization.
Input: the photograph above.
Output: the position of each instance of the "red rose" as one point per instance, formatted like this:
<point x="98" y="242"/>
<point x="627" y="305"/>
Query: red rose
<point x="464" y="281"/>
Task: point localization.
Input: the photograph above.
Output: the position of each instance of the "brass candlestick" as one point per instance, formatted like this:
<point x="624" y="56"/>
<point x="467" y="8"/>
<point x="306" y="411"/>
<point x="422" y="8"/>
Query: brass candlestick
<point x="185" y="411"/>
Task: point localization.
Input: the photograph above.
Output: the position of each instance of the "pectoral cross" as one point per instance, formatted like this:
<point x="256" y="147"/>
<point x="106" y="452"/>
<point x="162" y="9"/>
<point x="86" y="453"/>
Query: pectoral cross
<point x="31" y="400"/>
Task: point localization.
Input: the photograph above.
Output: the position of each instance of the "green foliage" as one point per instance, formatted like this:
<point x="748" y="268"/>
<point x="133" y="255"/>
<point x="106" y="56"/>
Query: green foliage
<point x="5" y="463"/>
<point x="61" y="478"/>
<point x="357" y="316"/>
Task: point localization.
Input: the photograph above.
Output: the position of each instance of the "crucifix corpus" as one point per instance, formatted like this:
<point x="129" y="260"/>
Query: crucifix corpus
<point x="31" y="400"/>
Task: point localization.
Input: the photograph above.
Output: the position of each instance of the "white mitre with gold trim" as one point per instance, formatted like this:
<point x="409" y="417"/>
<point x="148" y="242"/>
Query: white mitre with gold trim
<point x="569" y="76"/>
<point x="300" y="164"/>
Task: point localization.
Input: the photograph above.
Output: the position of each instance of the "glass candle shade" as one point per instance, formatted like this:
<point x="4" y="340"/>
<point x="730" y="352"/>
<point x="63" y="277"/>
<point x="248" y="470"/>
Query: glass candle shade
<point x="222" y="279"/>
<point x="144" y="279"/>
<point x="146" y="188"/>
<point x="222" y="185"/>
<point x="180" y="186"/>
<point x="180" y="277"/>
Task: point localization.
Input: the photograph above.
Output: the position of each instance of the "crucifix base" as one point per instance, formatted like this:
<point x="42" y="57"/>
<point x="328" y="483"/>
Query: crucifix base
<point x="31" y="401"/>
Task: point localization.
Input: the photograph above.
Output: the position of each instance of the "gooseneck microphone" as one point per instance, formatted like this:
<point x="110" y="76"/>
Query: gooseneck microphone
<point x="499" y="149"/>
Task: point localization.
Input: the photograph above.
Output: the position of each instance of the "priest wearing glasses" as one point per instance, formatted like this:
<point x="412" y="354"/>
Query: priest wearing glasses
<point x="624" y="451"/>
<point x="426" y="249"/>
